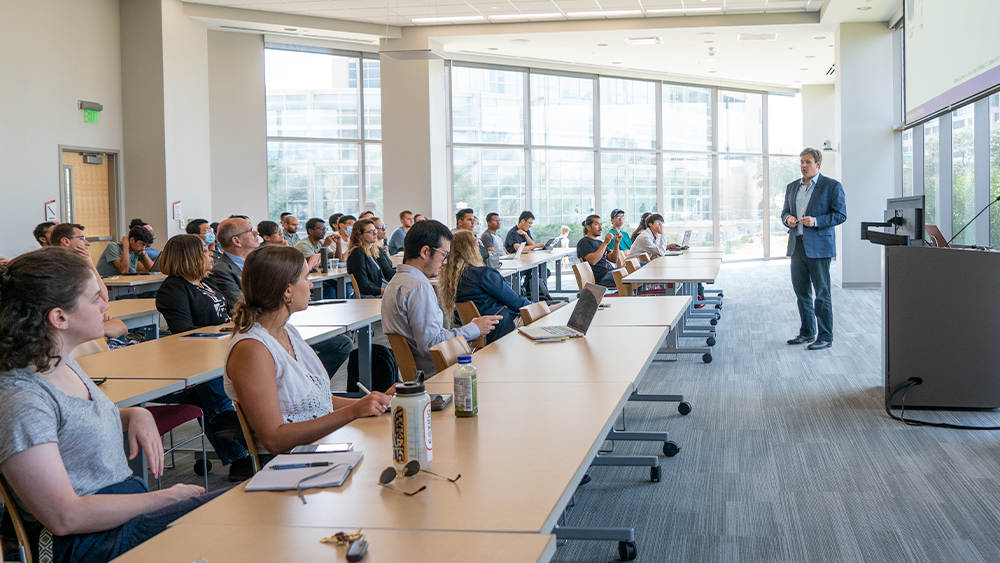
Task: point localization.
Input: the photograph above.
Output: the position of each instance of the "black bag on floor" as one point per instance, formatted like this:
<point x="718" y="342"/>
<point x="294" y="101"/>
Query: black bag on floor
<point x="385" y="371"/>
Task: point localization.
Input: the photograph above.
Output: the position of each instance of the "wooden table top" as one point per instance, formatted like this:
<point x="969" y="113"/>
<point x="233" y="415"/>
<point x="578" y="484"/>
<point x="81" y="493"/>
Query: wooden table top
<point x="125" y="309"/>
<point x="236" y="544"/>
<point x="520" y="460"/>
<point x="533" y="259"/>
<point x="315" y="334"/>
<point x="132" y="281"/>
<point x="353" y="313"/>
<point x="688" y="273"/>
<point x="660" y="310"/>
<point x="605" y="354"/>
<point x="706" y="249"/>
<point x="331" y="275"/>
<point x="685" y="261"/>
<point x="130" y="392"/>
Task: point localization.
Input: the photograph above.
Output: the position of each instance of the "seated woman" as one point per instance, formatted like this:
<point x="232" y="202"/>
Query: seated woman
<point x="187" y="303"/>
<point x="465" y="278"/>
<point x="277" y="378"/>
<point x="363" y="262"/>
<point x="60" y="437"/>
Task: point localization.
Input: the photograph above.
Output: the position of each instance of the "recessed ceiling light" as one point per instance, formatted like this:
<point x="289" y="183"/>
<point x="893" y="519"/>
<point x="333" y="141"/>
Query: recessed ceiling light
<point x="864" y="8"/>
<point x="803" y="69"/>
<point x="712" y="71"/>
<point x="492" y="48"/>
<point x="810" y="56"/>
<point x="493" y="8"/>
<point x="519" y="40"/>
<point x="290" y="29"/>
<point x="616" y="62"/>
<point x="526" y="16"/>
<point x="706" y="33"/>
<point x="708" y="41"/>
<point x="604" y="13"/>
<point x="819" y="37"/>
<point x="643" y="40"/>
<point x="682" y="10"/>
<point x="445" y="19"/>
<point x="602" y="44"/>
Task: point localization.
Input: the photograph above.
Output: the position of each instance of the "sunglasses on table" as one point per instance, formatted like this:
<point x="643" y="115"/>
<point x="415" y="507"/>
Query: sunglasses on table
<point x="409" y="470"/>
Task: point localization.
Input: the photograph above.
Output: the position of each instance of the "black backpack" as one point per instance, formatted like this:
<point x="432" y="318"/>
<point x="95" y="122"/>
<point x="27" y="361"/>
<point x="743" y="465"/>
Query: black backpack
<point x="385" y="371"/>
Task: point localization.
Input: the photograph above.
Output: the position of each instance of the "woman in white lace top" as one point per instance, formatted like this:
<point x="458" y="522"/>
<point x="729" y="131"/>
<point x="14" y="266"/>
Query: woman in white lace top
<point x="273" y="373"/>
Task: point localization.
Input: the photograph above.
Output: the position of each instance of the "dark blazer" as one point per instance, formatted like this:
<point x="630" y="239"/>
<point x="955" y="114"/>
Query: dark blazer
<point x="828" y="206"/>
<point x="187" y="307"/>
<point x="227" y="278"/>
<point x="487" y="289"/>
<point x="368" y="273"/>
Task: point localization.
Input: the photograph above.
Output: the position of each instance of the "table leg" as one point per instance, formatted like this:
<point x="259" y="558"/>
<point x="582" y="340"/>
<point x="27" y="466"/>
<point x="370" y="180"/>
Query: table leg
<point x="341" y="288"/>
<point x="559" y="275"/>
<point x="365" y="356"/>
<point x="534" y="284"/>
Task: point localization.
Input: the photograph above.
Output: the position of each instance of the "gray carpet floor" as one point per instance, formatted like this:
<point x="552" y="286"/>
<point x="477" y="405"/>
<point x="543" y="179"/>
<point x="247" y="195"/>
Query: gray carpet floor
<point x="788" y="455"/>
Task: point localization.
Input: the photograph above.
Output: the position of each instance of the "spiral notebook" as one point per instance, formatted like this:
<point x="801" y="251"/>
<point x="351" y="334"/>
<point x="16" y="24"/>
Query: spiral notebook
<point x="270" y="479"/>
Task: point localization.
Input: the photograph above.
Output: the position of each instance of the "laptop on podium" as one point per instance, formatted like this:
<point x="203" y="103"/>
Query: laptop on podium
<point x="583" y="314"/>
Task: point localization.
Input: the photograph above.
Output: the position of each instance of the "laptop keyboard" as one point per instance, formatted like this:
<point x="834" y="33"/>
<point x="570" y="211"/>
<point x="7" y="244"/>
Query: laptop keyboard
<point x="560" y="330"/>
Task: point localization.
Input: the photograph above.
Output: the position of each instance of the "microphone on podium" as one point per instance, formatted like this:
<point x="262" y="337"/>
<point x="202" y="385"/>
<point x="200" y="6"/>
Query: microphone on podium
<point x="974" y="219"/>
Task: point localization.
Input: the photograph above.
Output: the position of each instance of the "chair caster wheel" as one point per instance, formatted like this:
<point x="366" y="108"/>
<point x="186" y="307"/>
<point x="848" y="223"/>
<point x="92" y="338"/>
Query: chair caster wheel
<point x="707" y="358"/>
<point x="710" y="341"/>
<point x="718" y="316"/>
<point x="201" y="467"/>
<point x="718" y="305"/>
<point x="654" y="474"/>
<point x="713" y="322"/>
<point x="684" y="408"/>
<point x="627" y="551"/>
<point x="670" y="449"/>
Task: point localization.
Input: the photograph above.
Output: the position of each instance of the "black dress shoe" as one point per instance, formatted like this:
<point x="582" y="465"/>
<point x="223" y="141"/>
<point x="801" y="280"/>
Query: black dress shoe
<point x="241" y="470"/>
<point x="820" y="344"/>
<point x="801" y="339"/>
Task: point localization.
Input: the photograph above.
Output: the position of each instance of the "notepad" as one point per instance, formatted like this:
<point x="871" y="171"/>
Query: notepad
<point x="269" y="479"/>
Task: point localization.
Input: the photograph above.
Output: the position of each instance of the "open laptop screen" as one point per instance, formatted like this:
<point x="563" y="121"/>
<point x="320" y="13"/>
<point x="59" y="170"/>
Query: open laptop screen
<point x="586" y="307"/>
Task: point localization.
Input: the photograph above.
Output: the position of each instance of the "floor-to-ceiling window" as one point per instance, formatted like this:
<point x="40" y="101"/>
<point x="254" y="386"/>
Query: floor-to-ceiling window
<point x="963" y="173"/>
<point x="566" y="145"/>
<point x="323" y="131"/>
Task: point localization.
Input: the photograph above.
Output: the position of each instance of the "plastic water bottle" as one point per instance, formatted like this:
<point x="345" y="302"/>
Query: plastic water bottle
<point x="411" y="425"/>
<point x="466" y="392"/>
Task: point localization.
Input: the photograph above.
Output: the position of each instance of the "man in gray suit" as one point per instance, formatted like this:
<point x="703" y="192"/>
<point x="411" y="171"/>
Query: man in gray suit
<point x="238" y="239"/>
<point x="814" y="205"/>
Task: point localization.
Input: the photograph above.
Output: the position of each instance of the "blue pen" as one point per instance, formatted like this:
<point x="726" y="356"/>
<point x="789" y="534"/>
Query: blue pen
<point x="303" y="465"/>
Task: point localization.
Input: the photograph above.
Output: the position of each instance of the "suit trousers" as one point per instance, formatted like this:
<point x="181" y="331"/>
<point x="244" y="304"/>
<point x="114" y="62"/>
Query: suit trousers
<point x="809" y="274"/>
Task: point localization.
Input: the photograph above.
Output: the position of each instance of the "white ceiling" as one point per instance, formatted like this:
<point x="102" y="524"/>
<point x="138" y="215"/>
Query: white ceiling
<point x="796" y="56"/>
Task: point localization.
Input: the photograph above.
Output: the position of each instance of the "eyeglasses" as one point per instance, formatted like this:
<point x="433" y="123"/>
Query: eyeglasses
<point x="76" y="237"/>
<point x="409" y="470"/>
<point x="443" y="253"/>
<point x="298" y="487"/>
<point x="371" y="232"/>
<point x="245" y="232"/>
<point x="382" y="228"/>
<point x="320" y="229"/>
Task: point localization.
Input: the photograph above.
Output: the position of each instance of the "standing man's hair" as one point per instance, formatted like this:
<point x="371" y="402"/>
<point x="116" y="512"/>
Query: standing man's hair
<point x="817" y="155"/>
<point x="425" y="233"/>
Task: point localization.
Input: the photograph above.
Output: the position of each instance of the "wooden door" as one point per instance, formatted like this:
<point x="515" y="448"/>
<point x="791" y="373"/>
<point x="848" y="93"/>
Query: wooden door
<point x="87" y="191"/>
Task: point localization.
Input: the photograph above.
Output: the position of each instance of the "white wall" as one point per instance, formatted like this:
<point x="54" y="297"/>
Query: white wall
<point x="865" y="110"/>
<point x="237" y="123"/>
<point x="74" y="55"/>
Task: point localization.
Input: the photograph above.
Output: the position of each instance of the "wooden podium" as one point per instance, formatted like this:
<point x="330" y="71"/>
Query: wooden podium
<point x="941" y="323"/>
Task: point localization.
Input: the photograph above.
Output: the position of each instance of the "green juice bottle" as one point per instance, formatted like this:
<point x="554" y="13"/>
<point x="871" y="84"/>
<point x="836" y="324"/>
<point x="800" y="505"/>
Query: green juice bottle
<point x="466" y="393"/>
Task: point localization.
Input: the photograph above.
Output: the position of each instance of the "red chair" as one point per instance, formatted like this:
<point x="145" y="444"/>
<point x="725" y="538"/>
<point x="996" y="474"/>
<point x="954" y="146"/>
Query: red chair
<point x="168" y="418"/>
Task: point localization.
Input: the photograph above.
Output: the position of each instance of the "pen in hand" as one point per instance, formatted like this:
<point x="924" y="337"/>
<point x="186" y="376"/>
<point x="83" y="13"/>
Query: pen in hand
<point x="302" y="465"/>
<point x="363" y="388"/>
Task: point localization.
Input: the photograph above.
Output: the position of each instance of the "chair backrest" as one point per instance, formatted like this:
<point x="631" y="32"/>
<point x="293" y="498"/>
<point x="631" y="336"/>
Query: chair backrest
<point x="404" y="356"/>
<point x="87" y="348"/>
<point x="15" y="517"/>
<point x="533" y="312"/>
<point x="445" y="354"/>
<point x="643" y="258"/>
<point x="354" y="284"/>
<point x="467" y="311"/>
<point x="584" y="274"/>
<point x="632" y="264"/>
<point x="248" y="436"/>
<point x="624" y="289"/>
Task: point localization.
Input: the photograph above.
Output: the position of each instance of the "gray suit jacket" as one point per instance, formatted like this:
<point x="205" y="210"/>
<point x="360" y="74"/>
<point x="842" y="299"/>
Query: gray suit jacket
<point x="227" y="278"/>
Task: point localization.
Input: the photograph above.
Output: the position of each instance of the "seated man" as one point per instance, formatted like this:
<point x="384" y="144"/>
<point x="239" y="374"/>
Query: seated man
<point x="518" y="235"/>
<point x="270" y="232"/>
<point x="410" y="304"/>
<point x="345" y="224"/>
<point x="465" y="220"/>
<point x="600" y="254"/>
<point x="315" y="231"/>
<point x="651" y="241"/>
<point x="490" y="238"/>
<point x="123" y="257"/>
<point x="203" y="229"/>
<point x="290" y="228"/>
<point x="70" y="235"/>
<point x="617" y="221"/>
<point x="42" y="232"/>
<point x="238" y="239"/>
<point x="398" y="235"/>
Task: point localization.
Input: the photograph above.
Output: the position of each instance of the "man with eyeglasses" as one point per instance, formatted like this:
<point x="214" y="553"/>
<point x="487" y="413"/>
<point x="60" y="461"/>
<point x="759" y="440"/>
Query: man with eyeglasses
<point x="315" y="231"/>
<point x="617" y="220"/>
<point x="238" y="239"/>
<point x="410" y="303"/>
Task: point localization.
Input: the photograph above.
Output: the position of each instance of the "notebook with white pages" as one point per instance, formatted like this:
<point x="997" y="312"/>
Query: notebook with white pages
<point x="271" y="479"/>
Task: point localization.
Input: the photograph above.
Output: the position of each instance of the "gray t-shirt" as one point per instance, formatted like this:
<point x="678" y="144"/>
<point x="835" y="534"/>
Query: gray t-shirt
<point x="111" y="253"/>
<point x="88" y="433"/>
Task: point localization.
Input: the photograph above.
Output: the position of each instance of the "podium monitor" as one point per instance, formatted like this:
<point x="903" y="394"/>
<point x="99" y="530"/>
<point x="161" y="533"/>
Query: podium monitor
<point x="908" y="213"/>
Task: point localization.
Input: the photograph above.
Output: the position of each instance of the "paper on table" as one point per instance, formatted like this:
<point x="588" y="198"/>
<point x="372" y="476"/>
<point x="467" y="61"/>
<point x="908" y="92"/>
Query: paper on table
<point x="269" y="479"/>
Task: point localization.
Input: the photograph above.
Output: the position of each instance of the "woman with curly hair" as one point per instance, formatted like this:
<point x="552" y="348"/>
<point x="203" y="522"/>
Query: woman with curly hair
<point x="273" y="373"/>
<point x="60" y="437"/>
<point x="465" y="278"/>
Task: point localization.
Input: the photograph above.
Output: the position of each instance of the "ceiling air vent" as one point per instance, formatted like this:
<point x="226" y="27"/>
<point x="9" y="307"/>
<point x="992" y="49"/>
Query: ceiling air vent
<point x="757" y="37"/>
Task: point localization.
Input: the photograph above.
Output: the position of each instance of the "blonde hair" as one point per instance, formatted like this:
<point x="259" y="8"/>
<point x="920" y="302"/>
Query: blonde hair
<point x="464" y="253"/>
<point x="356" y="241"/>
<point x="184" y="256"/>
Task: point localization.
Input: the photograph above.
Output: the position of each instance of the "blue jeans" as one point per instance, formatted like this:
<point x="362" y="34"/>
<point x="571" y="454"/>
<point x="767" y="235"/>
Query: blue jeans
<point x="809" y="274"/>
<point x="221" y="429"/>
<point x="334" y="352"/>
<point x="99" y="547"/>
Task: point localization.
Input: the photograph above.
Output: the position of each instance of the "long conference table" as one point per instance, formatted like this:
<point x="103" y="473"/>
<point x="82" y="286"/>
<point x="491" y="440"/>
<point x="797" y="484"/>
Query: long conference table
<point x="545" y="410"/>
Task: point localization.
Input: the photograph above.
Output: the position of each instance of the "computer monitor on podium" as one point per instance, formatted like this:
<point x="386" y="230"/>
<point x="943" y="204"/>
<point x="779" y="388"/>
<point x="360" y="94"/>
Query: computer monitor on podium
<point x="911" y="211"/>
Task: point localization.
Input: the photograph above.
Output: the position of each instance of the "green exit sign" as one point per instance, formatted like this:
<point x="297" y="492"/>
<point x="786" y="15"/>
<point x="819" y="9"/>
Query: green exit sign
<point x="90" y="116"/>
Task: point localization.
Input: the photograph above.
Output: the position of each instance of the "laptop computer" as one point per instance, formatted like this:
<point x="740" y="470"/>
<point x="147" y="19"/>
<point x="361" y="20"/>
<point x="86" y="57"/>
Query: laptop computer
<point x="516" y="255"/>
<point x="686" y="240"/>
<point x="579" y="322"/>
<point x="548" y="245"/>
<point x="935" y="237"/>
